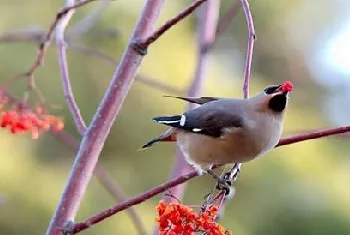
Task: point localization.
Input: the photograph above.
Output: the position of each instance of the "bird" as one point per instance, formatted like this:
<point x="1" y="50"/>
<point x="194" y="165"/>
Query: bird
<point x="227" y="130"/>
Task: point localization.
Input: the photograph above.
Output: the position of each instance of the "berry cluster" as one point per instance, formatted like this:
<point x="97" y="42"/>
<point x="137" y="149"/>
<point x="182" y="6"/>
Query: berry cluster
<point x="25" y="121"/>
<point x="176" y="218"/>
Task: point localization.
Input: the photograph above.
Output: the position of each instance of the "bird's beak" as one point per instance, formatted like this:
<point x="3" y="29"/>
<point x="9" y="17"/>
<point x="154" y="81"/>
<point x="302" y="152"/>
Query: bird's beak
<point x="284" y="88"/>
<point x="281" y="92"/>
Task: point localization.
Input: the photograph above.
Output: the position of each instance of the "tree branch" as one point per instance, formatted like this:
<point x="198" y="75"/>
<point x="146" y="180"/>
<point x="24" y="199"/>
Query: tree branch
<point x="223" y="23"/>
<point x="313" y="135"/>
<point x="85" y="24"/>
<point x="62" y="59"/>
<point x="250" y="47"/>
<point x="227" y="18"/>
<point x="36" y="35"/>
<point x="206" y="28"/>
<point x="142" y="45"/>
<point x="184" y="178"/>
<point x="105" y="180"/>
<point x="103" y="119"/>
<point x="47" y="39"/>
<point x="247" y="68"/>
<point x="78" y="227"/>
<point x="109" y="184"/>
<point x="94" y="138"/>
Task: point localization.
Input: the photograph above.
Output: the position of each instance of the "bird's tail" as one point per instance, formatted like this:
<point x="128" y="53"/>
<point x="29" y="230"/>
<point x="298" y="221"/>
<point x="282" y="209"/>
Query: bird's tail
<point x="168" y="136"/>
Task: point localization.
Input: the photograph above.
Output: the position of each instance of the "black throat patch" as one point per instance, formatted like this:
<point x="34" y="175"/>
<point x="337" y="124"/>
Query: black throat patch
<point x="278" y="103"/>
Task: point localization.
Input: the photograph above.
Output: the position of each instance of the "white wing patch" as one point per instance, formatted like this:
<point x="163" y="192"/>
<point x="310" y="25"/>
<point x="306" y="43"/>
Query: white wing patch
<point x="167" y="122"/>
<point x="196" y="129"/>
<point x="182" y="120"/>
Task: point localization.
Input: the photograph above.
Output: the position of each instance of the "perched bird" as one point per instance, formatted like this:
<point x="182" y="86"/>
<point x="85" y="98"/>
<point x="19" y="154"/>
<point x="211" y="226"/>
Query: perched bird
<point x="225" y="130"/>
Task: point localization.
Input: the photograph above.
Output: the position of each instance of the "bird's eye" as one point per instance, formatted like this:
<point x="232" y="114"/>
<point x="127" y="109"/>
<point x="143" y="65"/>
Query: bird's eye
<point x="271" y="89"/>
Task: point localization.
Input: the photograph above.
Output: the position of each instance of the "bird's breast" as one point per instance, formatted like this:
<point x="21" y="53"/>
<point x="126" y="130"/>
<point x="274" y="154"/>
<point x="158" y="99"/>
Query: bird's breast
<point x="204" y="150"/>
<point x="266" y="133"/>
<point x="241" y="145"/>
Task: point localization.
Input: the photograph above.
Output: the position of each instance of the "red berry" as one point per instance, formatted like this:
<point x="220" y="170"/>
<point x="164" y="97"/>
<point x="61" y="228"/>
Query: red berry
<point x="58" y="126"/>
<point x="287" y="86"/>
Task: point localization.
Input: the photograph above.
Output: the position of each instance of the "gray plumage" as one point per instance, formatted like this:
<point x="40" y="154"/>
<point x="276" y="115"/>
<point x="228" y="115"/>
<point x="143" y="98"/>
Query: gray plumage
<point x="226" y="131"/>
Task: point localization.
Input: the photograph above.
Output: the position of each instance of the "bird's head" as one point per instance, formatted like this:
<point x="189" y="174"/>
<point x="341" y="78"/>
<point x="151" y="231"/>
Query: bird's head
<point x="275" y="97"/>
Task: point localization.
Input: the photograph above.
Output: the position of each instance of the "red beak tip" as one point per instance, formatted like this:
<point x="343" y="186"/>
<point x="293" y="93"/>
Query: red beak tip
<point x="287" y="86"/>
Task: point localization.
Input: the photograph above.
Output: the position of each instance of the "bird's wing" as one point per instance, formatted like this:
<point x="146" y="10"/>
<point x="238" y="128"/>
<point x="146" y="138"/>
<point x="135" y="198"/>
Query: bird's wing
<point x="196" y="100"/>
<point x="212" y="122"/>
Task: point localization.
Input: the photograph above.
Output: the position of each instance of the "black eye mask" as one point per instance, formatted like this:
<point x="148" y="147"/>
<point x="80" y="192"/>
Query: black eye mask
<point x="271" y="89"/>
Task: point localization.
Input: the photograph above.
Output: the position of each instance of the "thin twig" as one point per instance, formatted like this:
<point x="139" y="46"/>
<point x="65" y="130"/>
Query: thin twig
<point x="47" y="39"/>
<point x="44" y="44"/>
<point x="133" y="201"/>
<point x="143" y="44"/>
<point x="28" y="35"/>
<point x="141" y="78"/>
<point x="227" y="18"/>
<point x="208" y="31"/>
<point x="85" y="24"/>
<point x="105" y="180"/>
<point x="223" y="23"/>
<point x="36" y="35"/>
<point x="162" y="86"/>
<point x="109" y="184"/>
<point x="62" y="59"/>
<point x="313" y="135"/>
<point x="250" y="47"/>
<point x="100" y="173"/>
<point x="206" y="28"/>
<point x="184" y="178"/>
<point x="95" y="136"/>
<point x="249" y="59"/>
<point x="10" y="99"/>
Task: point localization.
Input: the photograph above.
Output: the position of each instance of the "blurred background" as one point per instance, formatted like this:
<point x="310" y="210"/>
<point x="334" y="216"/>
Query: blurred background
<point x="298" y="189"/>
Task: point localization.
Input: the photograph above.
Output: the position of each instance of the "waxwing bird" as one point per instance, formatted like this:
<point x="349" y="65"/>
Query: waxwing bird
<point x="226" y="130"/>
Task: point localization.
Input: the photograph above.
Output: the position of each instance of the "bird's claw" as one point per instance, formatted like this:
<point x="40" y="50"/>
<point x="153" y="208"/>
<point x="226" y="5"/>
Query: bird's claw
<point x="224" y="184"/>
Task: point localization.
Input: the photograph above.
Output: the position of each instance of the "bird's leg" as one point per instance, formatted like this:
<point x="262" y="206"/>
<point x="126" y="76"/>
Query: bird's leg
<point x="233" y="173"/>
<point x="222" y="183"/>
<point x="236" y="169"/>
<point x="228" y="178"/>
